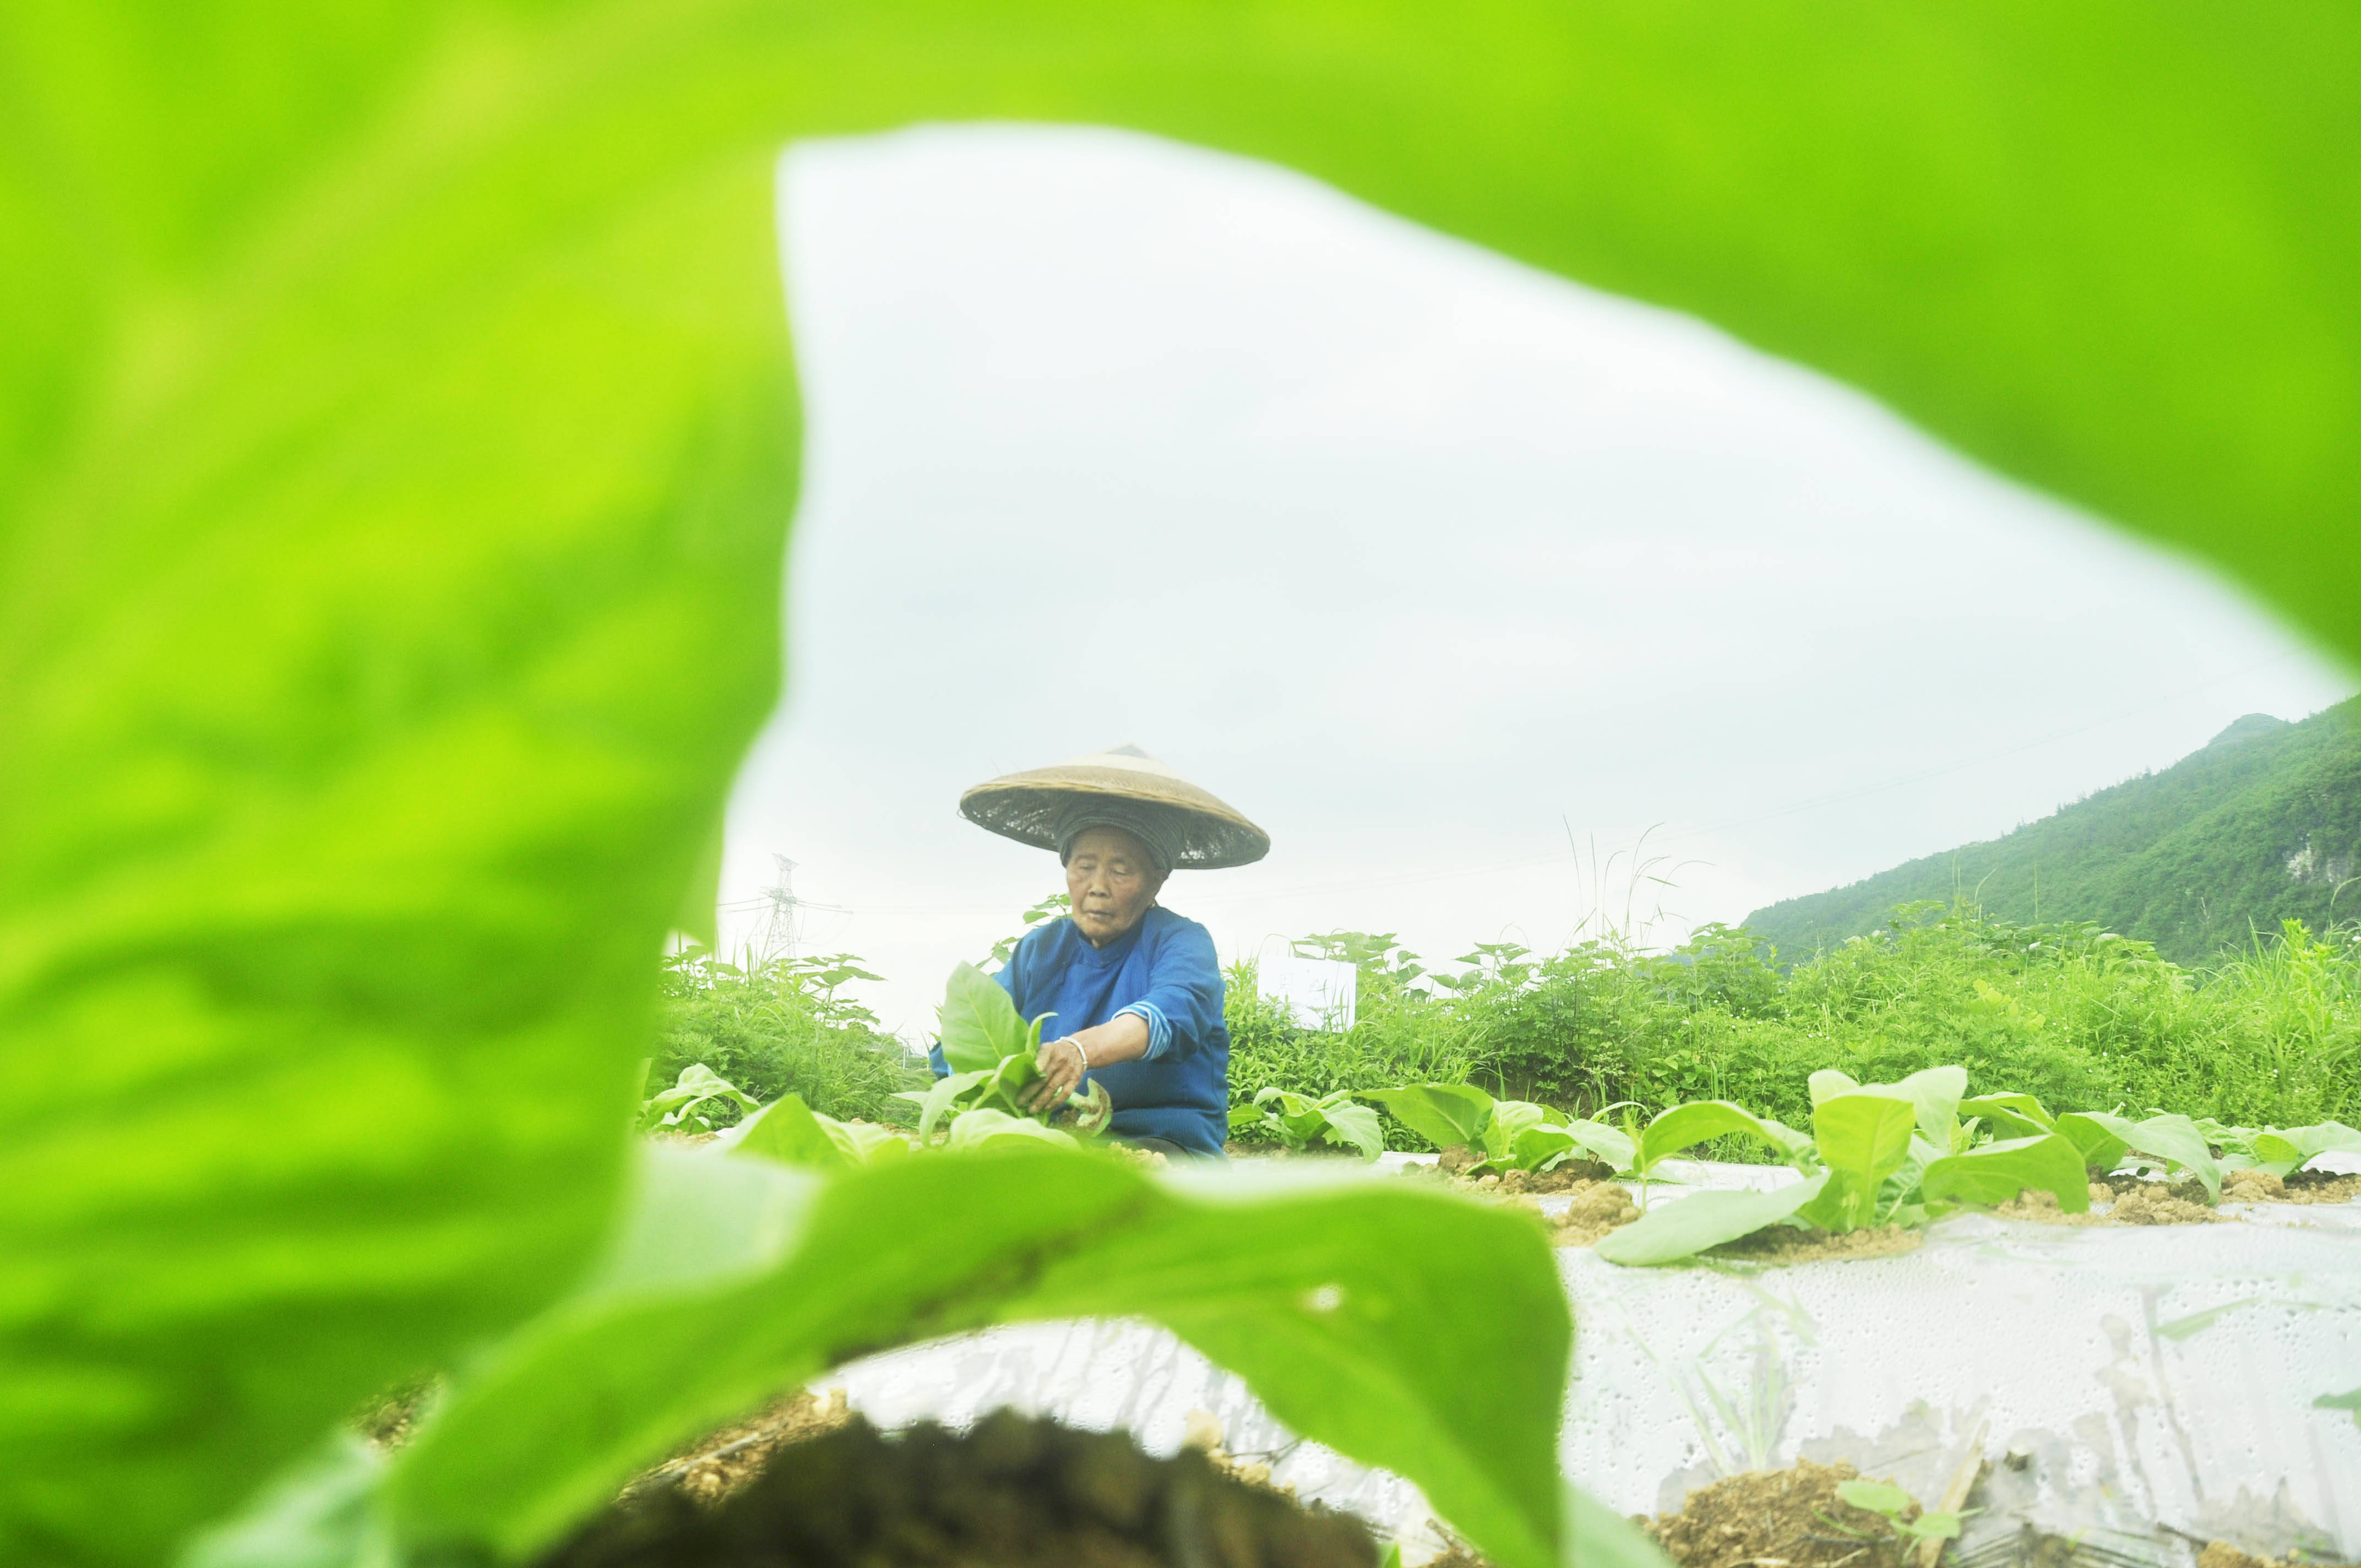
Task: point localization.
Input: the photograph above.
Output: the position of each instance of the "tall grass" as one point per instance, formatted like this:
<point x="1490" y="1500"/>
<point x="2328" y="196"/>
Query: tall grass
<point x="775" y="1025"/>
<point x="2085" y="1019"/>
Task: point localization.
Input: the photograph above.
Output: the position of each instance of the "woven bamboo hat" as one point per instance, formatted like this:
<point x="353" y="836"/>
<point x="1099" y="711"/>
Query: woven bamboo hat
<point x="1135" y="790"/>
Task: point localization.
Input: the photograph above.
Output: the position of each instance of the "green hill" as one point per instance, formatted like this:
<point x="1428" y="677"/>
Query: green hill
<point x="2263" y="824"/>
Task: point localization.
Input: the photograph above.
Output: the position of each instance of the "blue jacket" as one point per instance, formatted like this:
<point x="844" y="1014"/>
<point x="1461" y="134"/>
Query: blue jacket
<point x="1164" y="971"/>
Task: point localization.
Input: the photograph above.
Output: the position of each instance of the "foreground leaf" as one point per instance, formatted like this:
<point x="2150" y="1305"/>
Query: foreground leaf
<point x="1998" y="1171"/>
<point x="1670" y="1231"/>
<point x="1340" y="1305"/>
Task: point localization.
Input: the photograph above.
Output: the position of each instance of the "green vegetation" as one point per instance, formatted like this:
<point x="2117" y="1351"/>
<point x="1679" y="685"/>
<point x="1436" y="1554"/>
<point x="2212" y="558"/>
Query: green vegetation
<point x="1298" y="1122"/>
<point x="397" y="454"/>
<point x="990" y="1052"/>
<point x="2261" y="827"/>
<point x="2066" y="1014"/>
<point x="778" y="1026"/>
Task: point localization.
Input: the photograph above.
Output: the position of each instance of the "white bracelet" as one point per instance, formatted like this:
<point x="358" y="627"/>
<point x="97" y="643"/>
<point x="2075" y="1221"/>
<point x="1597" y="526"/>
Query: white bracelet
<point x="1081" y="1053"/>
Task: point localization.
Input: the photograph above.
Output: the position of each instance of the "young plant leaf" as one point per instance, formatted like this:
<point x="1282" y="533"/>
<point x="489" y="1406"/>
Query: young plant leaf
<point x="1511" y="1117"/>
<point x="981" y="1027"/>
<point x="1935" y="1092"/>
<point x="2284" y="1150"/>
<point x="1444" y="1114"/>
<point x="1997" y="1172"/>
<point x="1877" y="1496"/>
<point x="984" y="1125"/>
<point x="1684" y="1125"/>
<point x="2015" y="1115"/>
<point x="787" y="1131"/>
<point x="2101" y="1149"/>
<point x="1828" y="1083"/>
<point x="1601" y="1142"/>
<point x="947" y="1093"/>
<point x="1355" y="1127"/>
<point x="1864" y="1138"/>
<point x="1686" y="1226"/>
<point x="2174" y="1139"/>
<point x="1337" y="1305"/>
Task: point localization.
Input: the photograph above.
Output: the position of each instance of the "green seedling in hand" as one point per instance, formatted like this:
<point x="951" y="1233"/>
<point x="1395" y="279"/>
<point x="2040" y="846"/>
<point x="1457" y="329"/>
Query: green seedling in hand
<point x="994" y="1057"/>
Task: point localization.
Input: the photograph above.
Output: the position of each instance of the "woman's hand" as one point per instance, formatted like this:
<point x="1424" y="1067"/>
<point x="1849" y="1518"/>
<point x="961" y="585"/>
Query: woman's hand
<point x="1063" y="1066"/>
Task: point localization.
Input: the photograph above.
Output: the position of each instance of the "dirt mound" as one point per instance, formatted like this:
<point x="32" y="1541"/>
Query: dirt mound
<point x="1791" y="1517"/>
<point x="2221" y="1554"/>
<point x="1785" y="1243"/>
<point x="2133" y="1203"/>
<point x="2301" y="1187"/>
<point x="720" y="1462"/>
<point x="1598" y="1208"/>
<point x="1014" y="1491"/>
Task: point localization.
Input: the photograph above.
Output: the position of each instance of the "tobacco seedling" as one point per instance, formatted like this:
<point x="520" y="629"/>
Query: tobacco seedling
<point x="677" y="1109"/>
<point x="1299" y="1121"/>
<point x="990" y="1052"/>
<point x="792" y="1133"/>
<point x="1505" y="1134"/>
<point x="1879" y="1154"/>
<point x="1891" y="1502"/>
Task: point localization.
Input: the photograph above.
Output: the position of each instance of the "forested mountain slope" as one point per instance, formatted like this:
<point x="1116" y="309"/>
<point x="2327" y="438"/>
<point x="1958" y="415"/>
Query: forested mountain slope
<point x="2264" y="823"/>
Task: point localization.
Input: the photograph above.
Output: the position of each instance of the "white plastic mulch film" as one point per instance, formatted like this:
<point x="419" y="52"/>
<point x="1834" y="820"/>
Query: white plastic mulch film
<point x="2136" y="1390"/>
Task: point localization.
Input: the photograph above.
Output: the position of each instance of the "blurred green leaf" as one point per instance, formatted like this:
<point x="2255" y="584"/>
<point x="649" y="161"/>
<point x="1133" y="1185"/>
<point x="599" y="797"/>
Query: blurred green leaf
<point x="1337" y="1303"/>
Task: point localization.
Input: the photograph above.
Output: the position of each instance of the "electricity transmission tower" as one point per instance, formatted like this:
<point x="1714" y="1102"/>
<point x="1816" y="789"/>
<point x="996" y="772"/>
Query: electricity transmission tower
<point x="785" y="926"/>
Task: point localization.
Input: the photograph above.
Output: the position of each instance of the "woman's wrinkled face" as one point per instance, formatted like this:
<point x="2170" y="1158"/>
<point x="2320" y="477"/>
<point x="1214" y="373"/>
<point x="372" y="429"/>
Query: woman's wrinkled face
<point x="1111" y="881"/>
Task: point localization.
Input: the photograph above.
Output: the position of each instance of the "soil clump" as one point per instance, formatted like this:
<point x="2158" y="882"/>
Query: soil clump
<point x="1013" y="1491"/>
<point x="1792" y="1518"/>
<point x="1786" y="1244"/>
<point x="719" y="1462"/>
<point x="2221" y="1554"/>
<point x="2134" y="1203"/>
<point x="2296" y="1187"/>
<point x="1598" y="1208"/>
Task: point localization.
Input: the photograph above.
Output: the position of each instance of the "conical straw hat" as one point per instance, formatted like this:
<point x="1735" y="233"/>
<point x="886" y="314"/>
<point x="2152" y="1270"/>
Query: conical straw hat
<point x="1022" y="807"/>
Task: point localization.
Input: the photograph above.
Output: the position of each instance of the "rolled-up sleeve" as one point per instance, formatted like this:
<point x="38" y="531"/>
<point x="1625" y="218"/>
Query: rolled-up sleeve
<point x="1183" y="1004"/>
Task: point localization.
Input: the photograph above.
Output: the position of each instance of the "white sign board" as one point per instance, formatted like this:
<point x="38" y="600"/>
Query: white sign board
<point x="1318" y="993"/>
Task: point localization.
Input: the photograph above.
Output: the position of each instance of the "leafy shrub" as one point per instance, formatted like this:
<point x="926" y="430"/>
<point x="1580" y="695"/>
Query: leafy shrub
<point x="778" y="1026"/>
<point x="2064" y="1011"/>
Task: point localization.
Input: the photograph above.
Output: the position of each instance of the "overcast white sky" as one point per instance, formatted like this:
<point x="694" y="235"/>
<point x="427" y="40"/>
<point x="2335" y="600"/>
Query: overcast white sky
<point x="1418" y="558"/>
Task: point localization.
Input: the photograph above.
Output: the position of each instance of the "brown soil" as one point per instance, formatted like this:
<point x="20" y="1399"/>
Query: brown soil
<point x="1598" y="1208"/>
<point x="2221" y="1554"/>
<point x="1785" y="1243"/>
<point x="2128" y="1203"/>
<point x="390" y="1419"/>
<point x="1014" y="1491"/>
<point x="719" y="1462"/>
<point x="2299" y="1187"/>
<point x="1781" y="1518"/>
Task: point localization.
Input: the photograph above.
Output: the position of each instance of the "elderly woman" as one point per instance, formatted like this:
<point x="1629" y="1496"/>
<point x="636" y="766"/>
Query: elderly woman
<point x="1137" y="989"/>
